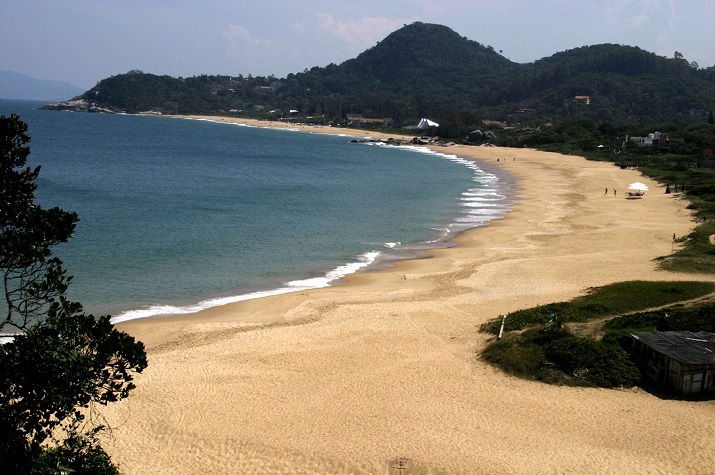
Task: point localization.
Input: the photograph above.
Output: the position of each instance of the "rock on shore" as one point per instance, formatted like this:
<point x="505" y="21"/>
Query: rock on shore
<point x="78" y="105"/>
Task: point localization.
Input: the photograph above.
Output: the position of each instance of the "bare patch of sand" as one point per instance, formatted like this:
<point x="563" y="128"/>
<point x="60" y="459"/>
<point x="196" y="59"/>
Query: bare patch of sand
<point x="351" y="378"/>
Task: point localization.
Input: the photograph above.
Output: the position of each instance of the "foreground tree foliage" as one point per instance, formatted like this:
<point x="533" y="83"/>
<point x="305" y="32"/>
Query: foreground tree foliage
<point x="62" y="363"/>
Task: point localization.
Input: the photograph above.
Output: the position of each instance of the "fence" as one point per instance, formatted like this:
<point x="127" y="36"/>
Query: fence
<point x="680" y="188"/>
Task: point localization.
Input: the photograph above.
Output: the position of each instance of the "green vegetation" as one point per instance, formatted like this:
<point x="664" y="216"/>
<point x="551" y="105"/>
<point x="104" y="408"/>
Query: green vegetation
<point x="695" y="319"/>
<point x="547" y="343"/>
<point x="613" y="299"/>
<point x="427" y="70"/>
<point x="61" y="363"/>
<point x="584" y="136"/>
<point x="556" y="356"/>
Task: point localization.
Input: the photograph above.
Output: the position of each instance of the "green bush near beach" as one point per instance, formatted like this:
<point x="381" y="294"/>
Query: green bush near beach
<point x="542" y="343"/>
<point x="695" y="319"/>
<point x="698" y="254"/>
<point x="555" y="356"/>
<point x="613" y="299"/>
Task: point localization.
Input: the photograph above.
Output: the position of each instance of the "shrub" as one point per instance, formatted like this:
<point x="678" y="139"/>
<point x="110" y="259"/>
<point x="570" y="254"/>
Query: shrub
<point x="611" y="299"/>
<point x="514" y="357"/>
<point x="595" y="362"/>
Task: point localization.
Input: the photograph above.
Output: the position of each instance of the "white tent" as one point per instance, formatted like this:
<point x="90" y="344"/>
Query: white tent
<point x="638" y="186"/>
<point x="637" y="189"/>
<point x="424" y="123"/>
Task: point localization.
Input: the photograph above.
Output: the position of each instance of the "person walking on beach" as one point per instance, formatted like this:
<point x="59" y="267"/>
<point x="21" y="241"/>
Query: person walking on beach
<point x="605" y="192"/>
<point x="614" y="192"/>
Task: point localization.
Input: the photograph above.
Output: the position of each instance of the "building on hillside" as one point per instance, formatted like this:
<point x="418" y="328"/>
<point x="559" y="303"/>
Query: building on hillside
<point x="494" y="122"/>
<point x="682" y="362"/>
<point x="357" y="118"/>
<point x="642" y="141"/>
<point x="655" y="138"/>
<point x="585" y="99"/>
<point x="707" y="160"/>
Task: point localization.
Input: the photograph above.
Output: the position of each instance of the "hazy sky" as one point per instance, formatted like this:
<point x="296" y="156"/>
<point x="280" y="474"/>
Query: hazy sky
<point x="84" y="41"/>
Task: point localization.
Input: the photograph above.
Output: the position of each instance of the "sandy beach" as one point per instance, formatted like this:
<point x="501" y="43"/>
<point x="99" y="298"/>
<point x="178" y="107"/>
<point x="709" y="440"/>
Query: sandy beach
<point x="383" y="371"/>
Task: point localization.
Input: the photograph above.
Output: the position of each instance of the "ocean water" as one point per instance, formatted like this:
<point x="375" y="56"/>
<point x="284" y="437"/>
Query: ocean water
<point x="177" y="215"/>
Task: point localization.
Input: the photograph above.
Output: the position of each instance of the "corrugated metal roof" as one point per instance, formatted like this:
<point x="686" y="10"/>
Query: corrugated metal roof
<point x="685" y="347"/>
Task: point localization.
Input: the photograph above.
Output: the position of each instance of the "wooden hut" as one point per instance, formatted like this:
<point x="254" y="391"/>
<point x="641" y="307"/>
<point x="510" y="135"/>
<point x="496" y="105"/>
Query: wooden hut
<point x="683" y="362"/>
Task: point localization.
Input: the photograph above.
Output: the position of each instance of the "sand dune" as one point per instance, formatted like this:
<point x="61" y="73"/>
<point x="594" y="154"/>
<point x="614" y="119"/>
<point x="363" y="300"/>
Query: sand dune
<point x="351" y="378"/>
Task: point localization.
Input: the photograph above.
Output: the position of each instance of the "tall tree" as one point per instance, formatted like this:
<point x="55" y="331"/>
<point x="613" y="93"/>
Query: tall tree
<point x="27" y="232"/>
<point x="61" y="362"/>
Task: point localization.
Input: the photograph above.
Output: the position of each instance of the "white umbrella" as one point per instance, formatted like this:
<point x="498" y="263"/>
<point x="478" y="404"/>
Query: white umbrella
<point x="638" y="186"/>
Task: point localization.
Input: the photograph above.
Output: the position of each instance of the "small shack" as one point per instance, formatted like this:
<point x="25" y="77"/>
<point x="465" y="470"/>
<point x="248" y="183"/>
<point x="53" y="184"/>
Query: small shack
<point x="683" y="362"/>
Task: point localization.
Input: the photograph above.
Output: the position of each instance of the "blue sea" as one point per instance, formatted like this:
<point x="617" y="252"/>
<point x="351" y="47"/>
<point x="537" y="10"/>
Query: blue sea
<point x="178" y="215"/>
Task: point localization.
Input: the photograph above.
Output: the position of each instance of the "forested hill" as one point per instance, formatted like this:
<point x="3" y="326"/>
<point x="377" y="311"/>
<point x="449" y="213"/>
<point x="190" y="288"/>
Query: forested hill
<point x="426" y="70"/>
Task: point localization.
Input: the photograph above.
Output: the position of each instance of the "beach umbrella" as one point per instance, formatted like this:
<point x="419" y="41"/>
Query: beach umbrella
<point x="638" y="186"/>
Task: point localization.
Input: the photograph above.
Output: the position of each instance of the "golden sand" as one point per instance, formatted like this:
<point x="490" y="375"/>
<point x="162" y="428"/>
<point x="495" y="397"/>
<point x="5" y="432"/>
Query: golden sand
<point x="384" y="371"/>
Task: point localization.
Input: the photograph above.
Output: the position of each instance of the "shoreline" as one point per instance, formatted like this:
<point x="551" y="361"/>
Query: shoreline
<point x="349" y="378"/>
<point x="375" y="260"/>
<point x="387" y="265"/>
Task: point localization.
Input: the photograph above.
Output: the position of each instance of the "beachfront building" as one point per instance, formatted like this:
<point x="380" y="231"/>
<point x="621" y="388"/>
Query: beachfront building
<point x="583" y="99"/>
<point x="683" y="362"/>
<point x="707" y="160"/>
<point x="494" y="122"/>
<point x="655" y="138"/>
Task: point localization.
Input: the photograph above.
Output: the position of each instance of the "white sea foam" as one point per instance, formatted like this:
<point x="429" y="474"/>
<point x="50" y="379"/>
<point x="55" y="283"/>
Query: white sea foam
<point x="294" y="286"/>
<point x="484" y="194"/>
<point x="484" y="212"/>
<point x="480" y="205"/>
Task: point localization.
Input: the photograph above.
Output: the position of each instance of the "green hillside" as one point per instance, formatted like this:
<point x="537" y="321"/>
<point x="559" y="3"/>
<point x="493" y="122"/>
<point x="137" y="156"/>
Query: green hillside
<point x="426" y="70"/>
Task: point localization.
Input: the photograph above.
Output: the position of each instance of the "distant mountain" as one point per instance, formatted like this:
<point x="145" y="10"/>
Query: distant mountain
<point x="426" y="70"/>
<point x="21" y="86"/>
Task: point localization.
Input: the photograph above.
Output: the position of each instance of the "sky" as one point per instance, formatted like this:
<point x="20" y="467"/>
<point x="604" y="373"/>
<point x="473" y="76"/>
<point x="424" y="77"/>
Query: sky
<point x="84" y="41"/>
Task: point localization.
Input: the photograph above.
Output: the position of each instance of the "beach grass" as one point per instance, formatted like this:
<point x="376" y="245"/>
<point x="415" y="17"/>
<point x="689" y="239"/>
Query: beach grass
<point x="613" y="299"/>
<point x="697" y="255"/>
